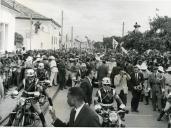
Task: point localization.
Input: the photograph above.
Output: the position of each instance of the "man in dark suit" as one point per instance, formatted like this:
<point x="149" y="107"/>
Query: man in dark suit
<point x="81" y="115"/>
<point x="87" y="87"/>
<point x="136" y="87"/>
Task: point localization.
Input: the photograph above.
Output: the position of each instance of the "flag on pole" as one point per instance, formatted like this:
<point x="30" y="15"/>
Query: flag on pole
<point x="124" y="50"/>
<point x="115" y="43"/>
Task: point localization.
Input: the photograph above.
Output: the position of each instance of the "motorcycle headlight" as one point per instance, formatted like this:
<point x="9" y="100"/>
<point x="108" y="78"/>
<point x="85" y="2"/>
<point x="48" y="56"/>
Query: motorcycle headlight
<point x="113" y="117"/>
<point x="21" y="101"/>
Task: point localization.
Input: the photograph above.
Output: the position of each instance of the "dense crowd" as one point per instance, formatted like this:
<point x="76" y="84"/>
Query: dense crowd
<point x="147" y="76"/>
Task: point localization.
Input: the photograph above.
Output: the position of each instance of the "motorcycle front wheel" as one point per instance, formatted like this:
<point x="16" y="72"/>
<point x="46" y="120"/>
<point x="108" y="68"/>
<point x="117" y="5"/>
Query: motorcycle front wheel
<point x="19" y="120"/>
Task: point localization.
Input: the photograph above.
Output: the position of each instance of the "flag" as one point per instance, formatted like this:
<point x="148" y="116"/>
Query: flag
<point x="114" y="43"/>
<point x="124" y="50"/>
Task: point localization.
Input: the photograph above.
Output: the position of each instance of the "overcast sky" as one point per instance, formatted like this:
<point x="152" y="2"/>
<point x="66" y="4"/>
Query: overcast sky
<point x="100" y="18"/>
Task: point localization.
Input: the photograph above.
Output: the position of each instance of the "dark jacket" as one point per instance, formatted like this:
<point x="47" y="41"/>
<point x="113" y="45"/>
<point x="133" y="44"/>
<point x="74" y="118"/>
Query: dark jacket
<point x="88" y="90"/>
<point x="115" y="71"/>
<point x="102" y="72"/>
<point x="134" y="81"/>
<point x="86" y="118"/>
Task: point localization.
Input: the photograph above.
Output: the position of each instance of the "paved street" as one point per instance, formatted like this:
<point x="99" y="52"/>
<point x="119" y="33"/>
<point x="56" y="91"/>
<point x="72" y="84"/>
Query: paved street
<point x="146" y="118"/>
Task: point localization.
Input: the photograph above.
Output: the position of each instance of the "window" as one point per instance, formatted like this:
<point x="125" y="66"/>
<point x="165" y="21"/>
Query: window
<point x="3" y="36"/>
<point x="52" y="40"/>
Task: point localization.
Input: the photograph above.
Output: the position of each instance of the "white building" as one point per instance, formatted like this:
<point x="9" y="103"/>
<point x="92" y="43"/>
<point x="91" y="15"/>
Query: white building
<point x="47" y="35"/>
<point x="7" y="27"/>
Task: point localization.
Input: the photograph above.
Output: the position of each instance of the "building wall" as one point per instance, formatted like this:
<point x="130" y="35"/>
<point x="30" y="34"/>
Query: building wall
<point x="7" y="22"/>
<point x="46" y="38"/>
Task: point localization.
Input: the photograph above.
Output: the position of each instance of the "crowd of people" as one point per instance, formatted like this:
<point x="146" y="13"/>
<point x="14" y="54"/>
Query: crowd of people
<point x="146" y="76"/>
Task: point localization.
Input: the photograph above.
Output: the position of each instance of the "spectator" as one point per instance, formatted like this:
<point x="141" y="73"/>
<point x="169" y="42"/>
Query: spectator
<point x="136" y="82"/>
<point x="81" y="115"/>
<point x="156" y="82"/>
<point x="54" y="70"/>
<point x="120" y="82"/>
<point x="62" y="75"/>
<point x="146" y="88"/>
<point x="86" y="85"/>
<point x="102" y="71"/>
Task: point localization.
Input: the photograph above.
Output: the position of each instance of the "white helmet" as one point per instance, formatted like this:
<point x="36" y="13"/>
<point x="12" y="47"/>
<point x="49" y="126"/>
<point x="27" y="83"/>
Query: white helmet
<point x="83" y="65"/>
<point x="30" y="73"/>
<point x="41" y="66"/>
<point x="106" y="81"/>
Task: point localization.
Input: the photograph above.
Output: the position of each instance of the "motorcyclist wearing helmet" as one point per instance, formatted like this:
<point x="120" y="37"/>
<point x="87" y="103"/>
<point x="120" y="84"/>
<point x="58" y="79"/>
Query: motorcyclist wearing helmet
<point x="107" y="95"/>
<point x="29" y="84"/>
<point x="43" y="76"/>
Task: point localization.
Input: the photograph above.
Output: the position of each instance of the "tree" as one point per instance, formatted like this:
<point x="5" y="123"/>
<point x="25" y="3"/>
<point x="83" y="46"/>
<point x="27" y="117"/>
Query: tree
<point x="98" y="45"/>
<point x="158" y="37"/>
<point x="159" y="24"/>
<point x="107" y="42"/>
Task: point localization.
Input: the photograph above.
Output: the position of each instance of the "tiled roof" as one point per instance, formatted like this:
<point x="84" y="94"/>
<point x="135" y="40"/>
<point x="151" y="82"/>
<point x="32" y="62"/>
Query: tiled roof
<point x="26" y="13"/>
<point x="3" y="3"/>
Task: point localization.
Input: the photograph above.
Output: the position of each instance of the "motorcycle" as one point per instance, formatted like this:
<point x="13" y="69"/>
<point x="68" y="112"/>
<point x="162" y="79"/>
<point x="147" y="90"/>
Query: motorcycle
<point x="24" y="112"/>
<point x="110" y="116"/>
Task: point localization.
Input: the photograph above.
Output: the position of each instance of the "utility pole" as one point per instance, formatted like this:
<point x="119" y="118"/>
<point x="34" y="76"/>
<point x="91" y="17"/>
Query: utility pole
<point x="66" y="41"/>
<point x="72" y="35"/>
<point x="62" y="23"/>
<point x="30" y="30"/>
<point x="123" y="27"/>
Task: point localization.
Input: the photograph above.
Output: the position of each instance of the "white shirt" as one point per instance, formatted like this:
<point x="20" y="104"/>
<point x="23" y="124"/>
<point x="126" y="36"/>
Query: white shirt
<point x="78" y="111"/>
<point x="53" y="66"/>
<point x="167" y="78"/>
<point x="121" y="83"/>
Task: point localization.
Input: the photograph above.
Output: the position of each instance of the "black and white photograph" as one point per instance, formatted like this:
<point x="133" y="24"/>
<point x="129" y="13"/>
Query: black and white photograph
<point x="85" y="63"/>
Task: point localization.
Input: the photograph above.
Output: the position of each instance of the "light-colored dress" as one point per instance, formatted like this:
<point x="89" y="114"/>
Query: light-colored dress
<point x="146" y="88"/>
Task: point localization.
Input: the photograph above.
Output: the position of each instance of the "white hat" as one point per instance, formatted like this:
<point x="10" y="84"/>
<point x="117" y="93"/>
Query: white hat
<point x="51" y="58"/>
<point x="143" y="66"/>
<point x="38" y="59"/>
<point x="38" y="56"/>
<point x="160" y="68"/>
<point x="29" y="58"/>
<point x="83" y="65"/>
<point x="169" y="69"/>
<point x="106" y="80"/>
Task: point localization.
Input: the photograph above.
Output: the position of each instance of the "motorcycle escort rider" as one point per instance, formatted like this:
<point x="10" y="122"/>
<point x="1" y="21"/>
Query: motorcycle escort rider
<point x="30" y="90"/>
<point x="42" y="76"/>
<point x="107" y="95"/>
